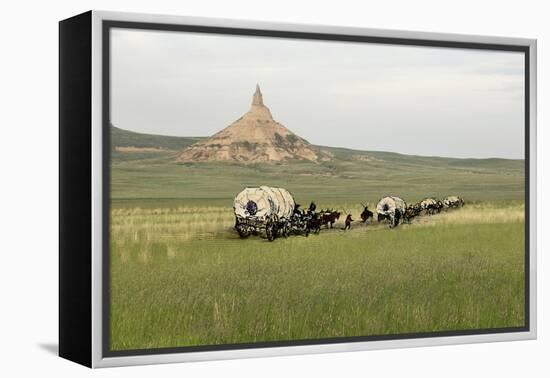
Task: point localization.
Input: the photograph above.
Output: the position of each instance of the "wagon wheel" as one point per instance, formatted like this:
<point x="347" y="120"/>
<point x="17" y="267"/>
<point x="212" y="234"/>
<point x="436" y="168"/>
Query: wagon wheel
<point x="396" y="219"/>
<point x="391" y="222"/>
<point x="271" y="230"/>
<point x="286" y="230"/>
<point x="281" y="226"/>
<point x="243" y="232"/>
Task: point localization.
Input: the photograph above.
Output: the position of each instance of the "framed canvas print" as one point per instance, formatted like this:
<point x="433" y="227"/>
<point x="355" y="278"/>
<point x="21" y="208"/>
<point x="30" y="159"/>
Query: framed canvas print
<point x="236" y="189"/>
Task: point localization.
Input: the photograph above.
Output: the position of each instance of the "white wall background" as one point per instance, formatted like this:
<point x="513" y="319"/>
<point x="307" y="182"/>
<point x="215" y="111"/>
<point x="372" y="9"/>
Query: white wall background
<point x="28" y="156"/>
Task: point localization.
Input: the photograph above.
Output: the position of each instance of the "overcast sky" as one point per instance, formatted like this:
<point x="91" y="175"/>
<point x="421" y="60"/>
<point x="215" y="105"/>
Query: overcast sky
<point x="413" y="100"/>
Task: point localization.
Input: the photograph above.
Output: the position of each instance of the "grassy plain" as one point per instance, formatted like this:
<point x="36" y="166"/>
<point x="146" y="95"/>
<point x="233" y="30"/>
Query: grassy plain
<point x="180" y="276"/>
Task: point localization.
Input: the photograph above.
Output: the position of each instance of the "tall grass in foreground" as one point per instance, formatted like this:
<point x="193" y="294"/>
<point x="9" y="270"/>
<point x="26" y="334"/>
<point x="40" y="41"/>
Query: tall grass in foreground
<point x="182" y="277"/>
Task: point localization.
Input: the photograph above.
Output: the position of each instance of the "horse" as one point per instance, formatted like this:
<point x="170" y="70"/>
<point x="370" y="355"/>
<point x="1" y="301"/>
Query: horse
<point x="329" y="218"/>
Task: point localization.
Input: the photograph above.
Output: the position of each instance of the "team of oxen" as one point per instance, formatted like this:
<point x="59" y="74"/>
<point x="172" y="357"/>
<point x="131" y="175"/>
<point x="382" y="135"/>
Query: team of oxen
<point x="274" y="212"/>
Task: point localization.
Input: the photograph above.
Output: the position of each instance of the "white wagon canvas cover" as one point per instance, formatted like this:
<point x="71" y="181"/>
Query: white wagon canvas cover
<point x="451" y="200"/>
<point x="387" y="205"/>
<point x="427" y="202"/>
<point x="269" y="201"/>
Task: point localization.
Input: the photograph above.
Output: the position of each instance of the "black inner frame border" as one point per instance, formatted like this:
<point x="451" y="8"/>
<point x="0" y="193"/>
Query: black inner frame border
<point x="107" y="25"/>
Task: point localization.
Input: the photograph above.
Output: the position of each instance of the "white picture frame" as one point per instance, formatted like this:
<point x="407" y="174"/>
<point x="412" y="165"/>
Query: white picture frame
<point x="94" y="354"/>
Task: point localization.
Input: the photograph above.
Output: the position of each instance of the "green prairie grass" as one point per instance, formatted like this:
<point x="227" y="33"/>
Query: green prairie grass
<point x="180" y="276"/>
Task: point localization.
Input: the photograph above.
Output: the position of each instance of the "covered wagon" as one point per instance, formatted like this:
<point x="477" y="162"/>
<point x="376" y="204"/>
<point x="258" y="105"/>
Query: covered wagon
<point x="453" y="201"/>
<point x="391" y="209"/>
<point x="263" y="210"/>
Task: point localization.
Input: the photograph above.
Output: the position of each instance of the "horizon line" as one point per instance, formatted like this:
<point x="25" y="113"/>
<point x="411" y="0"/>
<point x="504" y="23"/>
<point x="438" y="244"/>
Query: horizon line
<point x="340" y="147"/>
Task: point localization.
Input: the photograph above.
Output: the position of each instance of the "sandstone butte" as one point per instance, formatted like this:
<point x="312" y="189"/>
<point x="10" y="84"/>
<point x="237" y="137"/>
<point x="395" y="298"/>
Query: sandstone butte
<point x="253" y="138"/>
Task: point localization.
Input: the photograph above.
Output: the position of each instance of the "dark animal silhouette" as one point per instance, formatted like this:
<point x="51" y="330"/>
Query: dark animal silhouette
<point x="412" y="211"/>
<point x="304" y="222"/>
<point x="366" y="214"/>
<point x="328" y="218"/>
<point x="434" y="207"/>
<point x="313" y="223"/>
<point x="431" y="206"/>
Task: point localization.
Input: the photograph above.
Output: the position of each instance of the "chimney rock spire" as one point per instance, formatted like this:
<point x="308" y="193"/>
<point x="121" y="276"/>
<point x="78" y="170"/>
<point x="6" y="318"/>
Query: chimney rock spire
<point x="253" y="138"/>
<point x="257" y="99"/>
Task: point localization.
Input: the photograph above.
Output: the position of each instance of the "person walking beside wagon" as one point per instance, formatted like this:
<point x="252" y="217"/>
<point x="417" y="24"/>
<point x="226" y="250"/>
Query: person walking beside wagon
<point x="348" y="222"/>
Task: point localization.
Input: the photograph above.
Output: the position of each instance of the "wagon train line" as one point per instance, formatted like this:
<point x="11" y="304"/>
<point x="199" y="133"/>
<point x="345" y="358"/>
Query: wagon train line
<point x="273" y="212"/>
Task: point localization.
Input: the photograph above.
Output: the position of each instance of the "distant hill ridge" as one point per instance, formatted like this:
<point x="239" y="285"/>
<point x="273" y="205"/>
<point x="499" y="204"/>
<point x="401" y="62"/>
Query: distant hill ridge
<point x="129" y="141"/>
<point x="125" y="138"/>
